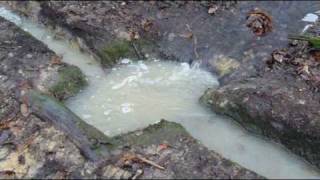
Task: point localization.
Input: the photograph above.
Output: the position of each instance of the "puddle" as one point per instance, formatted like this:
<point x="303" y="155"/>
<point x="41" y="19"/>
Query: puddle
<point x="136" y="94"/>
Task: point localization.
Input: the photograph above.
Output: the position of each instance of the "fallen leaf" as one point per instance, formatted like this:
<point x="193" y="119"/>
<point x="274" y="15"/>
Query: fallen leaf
<point x="56" y="60"/>
<point x="259" y="22"/>
<point x="187" y="35"/>
<point x="147" y="24"/>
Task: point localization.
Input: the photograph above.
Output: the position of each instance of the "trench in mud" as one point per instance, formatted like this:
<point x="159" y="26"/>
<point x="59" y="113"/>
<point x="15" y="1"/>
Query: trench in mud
<point x="135" y="94"/>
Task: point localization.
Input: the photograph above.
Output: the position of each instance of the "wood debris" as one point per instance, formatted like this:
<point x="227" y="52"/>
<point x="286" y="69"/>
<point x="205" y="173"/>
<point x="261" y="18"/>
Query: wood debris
<point x="133" y="157"/>
<point x="138" y="174"/>
<point x="195" y="42"/>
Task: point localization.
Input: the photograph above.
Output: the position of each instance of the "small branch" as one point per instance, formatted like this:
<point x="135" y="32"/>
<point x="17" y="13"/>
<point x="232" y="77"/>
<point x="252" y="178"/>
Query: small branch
<point x="136" y="51"/>
<point x="138" y="174"/>
<point x="150" y="162"/>
<point x="195" y="42"/>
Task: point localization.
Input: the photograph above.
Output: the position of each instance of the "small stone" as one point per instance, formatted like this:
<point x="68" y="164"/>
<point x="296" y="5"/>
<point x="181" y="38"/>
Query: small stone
<point x="10" y="54"/>
<point x="294" y="43"/>
<point x="213" y="9"/>
<point x="29" y="56"/>
<point x="171" y="36"/>
<point x="24" y="110"/>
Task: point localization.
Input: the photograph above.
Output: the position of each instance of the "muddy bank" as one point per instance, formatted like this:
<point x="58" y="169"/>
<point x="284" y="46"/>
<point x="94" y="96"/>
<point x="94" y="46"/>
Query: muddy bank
<point x="33" y="146"/>
<point x="280" y="101"/>
<point x="184" y="31"/>
<point x="25" y="60"/>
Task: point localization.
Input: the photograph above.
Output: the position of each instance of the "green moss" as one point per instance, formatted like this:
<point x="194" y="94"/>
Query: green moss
<point x="70" y="81"/>
<point x="93" y="133"/>
<point x="153" y="134"/>
<point x="134" y="50"/>
<point x="114" y="51"/>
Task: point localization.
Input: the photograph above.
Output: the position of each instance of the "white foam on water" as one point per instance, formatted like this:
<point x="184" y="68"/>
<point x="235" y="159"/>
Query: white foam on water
<point x="310" y="17"/>
<point x="136" y="94"/>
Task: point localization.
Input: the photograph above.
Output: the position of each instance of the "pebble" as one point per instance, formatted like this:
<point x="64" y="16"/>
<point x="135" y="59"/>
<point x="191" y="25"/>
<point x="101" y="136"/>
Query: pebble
<point x="4" y="136"/>
<point x="10" y="54"/>
<point x="24" y="110"/>
<point x="29" y="56"/>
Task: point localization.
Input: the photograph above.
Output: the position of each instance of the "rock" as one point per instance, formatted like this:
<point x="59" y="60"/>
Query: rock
<point x="280" y="103"/>
<point x="10" y="54"/>
<point x="224" y="65"/>
<point x="29" y="56"/>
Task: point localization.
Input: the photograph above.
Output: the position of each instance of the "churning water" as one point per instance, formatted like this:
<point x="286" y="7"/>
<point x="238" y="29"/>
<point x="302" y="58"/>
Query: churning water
<point x="136" y="94"/>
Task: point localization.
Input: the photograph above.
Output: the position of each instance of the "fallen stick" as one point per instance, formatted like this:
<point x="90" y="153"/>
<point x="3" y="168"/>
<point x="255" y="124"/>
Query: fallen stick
<point x="136" y="51"/>
<point x="62" y="118"/>
<point x="138" y="174"/>
<point x="149" y="162"/>
<point x="195" y="42"/>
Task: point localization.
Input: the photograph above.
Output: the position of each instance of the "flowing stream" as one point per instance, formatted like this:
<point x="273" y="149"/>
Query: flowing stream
<point x="135" y="94"/>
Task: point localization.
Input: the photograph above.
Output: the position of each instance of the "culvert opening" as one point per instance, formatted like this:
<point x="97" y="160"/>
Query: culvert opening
<point x="135" y="94"/>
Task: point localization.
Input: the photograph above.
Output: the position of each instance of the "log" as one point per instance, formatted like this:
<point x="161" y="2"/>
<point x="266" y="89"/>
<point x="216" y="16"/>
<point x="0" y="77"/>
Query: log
<point x="49" y="109"/>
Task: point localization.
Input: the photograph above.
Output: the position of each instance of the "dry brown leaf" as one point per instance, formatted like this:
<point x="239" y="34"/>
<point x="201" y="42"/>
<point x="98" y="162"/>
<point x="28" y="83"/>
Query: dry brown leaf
<point x="187" y="35"/>
<point x="259" y="21"/>
<point x="56" y="60"/>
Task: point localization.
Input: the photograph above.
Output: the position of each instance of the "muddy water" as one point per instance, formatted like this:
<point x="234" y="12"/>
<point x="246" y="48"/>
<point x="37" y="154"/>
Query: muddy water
<point x="135" y="94"/>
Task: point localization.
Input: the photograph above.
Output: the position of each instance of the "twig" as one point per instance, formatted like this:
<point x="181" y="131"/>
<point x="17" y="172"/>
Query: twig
<point x="149" y="162"/>
<point x="136" y="51"/>
<point x="195" y="42"/>
<point x="138" y="174"/>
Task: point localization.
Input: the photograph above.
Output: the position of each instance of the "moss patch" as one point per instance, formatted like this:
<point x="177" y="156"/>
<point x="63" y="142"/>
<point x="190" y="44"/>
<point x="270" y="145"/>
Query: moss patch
<point x="134" y="50"/>
<point x="70" y="81"/>
<point x="111" y="53"/>
<point x="153" y="134"/>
